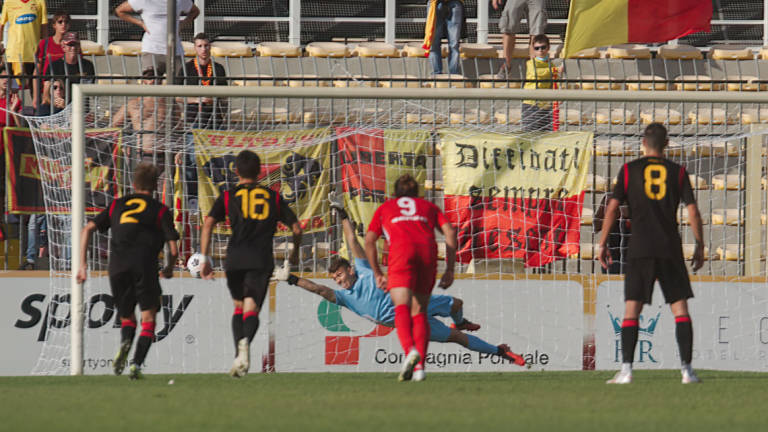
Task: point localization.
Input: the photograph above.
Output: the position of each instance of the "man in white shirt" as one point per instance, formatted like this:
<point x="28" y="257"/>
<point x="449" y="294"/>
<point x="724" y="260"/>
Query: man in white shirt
<point x="154" y="21"/>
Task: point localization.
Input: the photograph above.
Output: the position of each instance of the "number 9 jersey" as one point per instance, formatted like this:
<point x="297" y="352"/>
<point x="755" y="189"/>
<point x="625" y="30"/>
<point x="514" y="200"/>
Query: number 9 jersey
<point x="253" y="213"/>
<point x="654" y="187"/>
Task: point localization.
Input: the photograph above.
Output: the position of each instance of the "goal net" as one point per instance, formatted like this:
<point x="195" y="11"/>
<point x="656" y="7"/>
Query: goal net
<point x="526" y="201"/>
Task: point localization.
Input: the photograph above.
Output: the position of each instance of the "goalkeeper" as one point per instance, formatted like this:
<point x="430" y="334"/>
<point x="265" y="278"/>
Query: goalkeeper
<point x="360" y="294"/>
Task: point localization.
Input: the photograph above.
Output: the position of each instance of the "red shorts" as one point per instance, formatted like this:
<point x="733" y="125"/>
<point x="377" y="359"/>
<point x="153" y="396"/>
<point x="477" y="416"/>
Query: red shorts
<point x="412" y="267"/>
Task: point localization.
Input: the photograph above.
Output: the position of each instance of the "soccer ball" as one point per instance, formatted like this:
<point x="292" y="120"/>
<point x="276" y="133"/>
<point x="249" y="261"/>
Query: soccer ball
<point x="195" y="264"/>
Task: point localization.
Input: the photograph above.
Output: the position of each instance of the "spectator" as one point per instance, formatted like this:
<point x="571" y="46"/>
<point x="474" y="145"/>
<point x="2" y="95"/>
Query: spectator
<point x="50" y="49"/>
<point x="27" y="19"/>
<point x="154" y="21"/>
<point x="73" y="68"/>
<point x="48" y="107"/>
<point x="446" y="20"/>
<point x="9" y="104"/>
<point x="539" y="72"/>
<point x="618" y="238"/>
<point x="509" y="25"/>
<point x="202" y="70"/>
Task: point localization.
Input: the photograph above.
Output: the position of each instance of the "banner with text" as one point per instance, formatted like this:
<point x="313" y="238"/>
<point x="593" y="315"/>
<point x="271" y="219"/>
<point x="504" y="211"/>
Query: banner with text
<point x="295" y="163"/>
<point x="515" y="195"/>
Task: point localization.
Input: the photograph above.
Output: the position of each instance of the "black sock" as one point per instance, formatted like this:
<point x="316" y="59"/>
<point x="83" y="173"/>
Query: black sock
<point x="684" y="334"/>
<point x="237" y="326"/>
<point x="127" y="331"/>
<point x="250" y="324"/>
<point x="629" y="332"/>
<point x="145" y="341"/>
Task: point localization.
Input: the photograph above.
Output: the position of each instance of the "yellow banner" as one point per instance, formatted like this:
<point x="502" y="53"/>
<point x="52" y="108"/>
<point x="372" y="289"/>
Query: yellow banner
<point x="295" y="163"/>
<point x="509" y="166"/>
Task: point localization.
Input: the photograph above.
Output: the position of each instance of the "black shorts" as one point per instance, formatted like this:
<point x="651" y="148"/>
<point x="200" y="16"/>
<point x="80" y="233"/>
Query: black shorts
<point x="249" y="283"/>
<point x="135" y="286"/>
<point x="671" y="273"/>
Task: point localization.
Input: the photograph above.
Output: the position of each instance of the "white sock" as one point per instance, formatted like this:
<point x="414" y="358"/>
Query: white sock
<point x="626" y="368"/>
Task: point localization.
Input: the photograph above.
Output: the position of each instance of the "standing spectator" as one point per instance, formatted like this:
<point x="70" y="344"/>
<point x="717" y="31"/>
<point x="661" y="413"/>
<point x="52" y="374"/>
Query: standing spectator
<point x="202" y="70"/>
<point x="50" y="49"/>
<point x="27" y="20"/>
<point x="444" y="19"/>
<point x="154" y="21"/>
<point x="539" y="72"/>
<point x="72" y="67"/>
<point x="509" y="25"/>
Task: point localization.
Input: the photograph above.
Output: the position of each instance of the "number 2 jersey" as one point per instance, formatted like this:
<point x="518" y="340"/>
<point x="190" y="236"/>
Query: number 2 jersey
<point x="140" y="227"/>
<point x="653" y="187"/>
<point x="253" y="213"/>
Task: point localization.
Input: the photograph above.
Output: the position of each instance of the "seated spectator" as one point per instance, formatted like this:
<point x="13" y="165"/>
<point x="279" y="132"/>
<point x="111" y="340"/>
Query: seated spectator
<point x="9" y="103"/>
<point x="50" y="50"/>
<point x="539" y="73"/>
<point x="73" y="68"/>
<point x="200" y="112"/>
<point x="56" y="94"/>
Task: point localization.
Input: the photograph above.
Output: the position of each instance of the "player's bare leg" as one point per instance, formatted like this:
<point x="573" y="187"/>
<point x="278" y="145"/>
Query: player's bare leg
<point x="401" y="298"/>
<point x="146" y="337"/>
<point x="127" y="332"/>
<point x="629" y="331"/>
<point x="419" y="304"/>
<point x="684" y="335"/>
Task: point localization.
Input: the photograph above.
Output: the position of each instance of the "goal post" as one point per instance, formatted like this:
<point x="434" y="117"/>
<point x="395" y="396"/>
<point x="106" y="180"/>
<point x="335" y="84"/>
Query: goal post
<point x="82" y="93"/>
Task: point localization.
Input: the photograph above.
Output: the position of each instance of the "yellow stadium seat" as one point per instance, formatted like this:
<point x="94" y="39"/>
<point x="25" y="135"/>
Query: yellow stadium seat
<point x="413" y="49"/>
<point x="424" y="117"/>
<point x="730" y="52"/>
<point x="327" y="49"/>
<point x="588" y="53"/>
<point x="306" y="80"/>
<point x="596" y="183"/>
<point x="645" y="82"/>
<point x="490" y="81"/>
<point x="573" y="116"/>
<point x="707" y="115"/>
<point x="744" y="83"/>
<point x="727" y="182"/>
<point x="588" y="251"/>
<point x="189" y="49"/>
<point x="376" y="49"/>
<point x="720" y="148"/>
<point x="677" y="149"/>
<point x="587" y="216"/>
<point x="258" y="80"/>
<point x="763" y="54"/>
<point x="278" y="49"/>
<point x="230" y="49"/>
<point x="275" y="115"/>
<point x="508" y="116"/>
<point x="612" y="147"/>
<point x="730" y="252"/>
<point x="688" y="250"/>
<point x="596" y="82"/>
<point x="660" y="115"/>
<point x="615" y="116"/>
<point x="323" y="116"/>
<point x="628" y="51"/>
<point x="752" y="115"/>
<point x="354" y="81"/>
<point x="725" y="216"/>
<point x="91" y="48"/>
<point x="679" y="52"/>
<point x="125" y="48"/>
<point x="398" y="81"/>
<point x="518" y="52"/>
<point x="470" y="116"/>
<point x="114" y="79"/>
<point x="696" y="82"/>
<point x="697" y="182"/>
<point x="433" y="185"/>
<point x="453" y="81"/>
<point x="477" y="50"/>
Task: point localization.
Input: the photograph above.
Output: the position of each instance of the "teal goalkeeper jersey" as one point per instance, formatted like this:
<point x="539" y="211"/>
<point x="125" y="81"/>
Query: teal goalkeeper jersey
<point x="365" y="298"/>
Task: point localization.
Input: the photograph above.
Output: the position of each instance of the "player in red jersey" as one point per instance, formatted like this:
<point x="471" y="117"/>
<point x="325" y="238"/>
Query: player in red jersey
<point x="409" y="224"/>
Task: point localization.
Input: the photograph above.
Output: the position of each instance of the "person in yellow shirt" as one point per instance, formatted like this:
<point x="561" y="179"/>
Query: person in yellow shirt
<point x="26" y="21"/>
<point x="539" y="72"/>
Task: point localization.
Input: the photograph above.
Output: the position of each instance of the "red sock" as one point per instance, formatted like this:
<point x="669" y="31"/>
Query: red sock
<point x="421" y="335"/>
<point x="404" y="326"/>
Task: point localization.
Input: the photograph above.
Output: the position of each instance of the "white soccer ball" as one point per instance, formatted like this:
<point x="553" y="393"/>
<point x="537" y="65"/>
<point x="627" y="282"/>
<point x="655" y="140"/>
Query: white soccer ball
<point x="195" y="264"/>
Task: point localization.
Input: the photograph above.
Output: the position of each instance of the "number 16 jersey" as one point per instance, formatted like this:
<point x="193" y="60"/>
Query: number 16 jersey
<point x="653" y="187"/>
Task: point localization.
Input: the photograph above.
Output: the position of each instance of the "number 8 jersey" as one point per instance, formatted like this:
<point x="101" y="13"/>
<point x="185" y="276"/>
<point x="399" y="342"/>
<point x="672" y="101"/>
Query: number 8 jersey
<point x="653" y="187"/>
<point x="253" y="213"/>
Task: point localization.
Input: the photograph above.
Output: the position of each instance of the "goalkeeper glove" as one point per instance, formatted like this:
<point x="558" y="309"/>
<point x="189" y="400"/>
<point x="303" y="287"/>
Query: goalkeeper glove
<point x="284" y="274"/>
<point x="337" y="205"/>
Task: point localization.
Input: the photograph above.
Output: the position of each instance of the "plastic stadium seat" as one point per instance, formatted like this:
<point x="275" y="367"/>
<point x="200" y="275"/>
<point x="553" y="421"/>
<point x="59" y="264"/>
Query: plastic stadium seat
<point x="628" y="51"/>
<point x="125" y="48"/>
<point x="646" y="82"/>
<point x="323" y="116"/>
<point x="490" y="81"/>
<point x="354" y="81"/>
<point x="91" y="48"/>
<point x="677" y="149"/>
<point x="588" y="53"/>
<point x="727" y="182"/>
<point x="682" y="217"/>
<point x="518" y="52"/>
<point x="660" y="115"/>
<point x="470" y="116"/>
<point x="573" y="116"/>
<point x="688" y="250"/>
<point x="596" y="183"/>
<point x="430" y="184"/>
<point x="721" y="148"/>
<point x="612" y="147"/>
<point x="413" y="49"/>
<point x="697" y="182"/>
<point x="258" y="81"/>
<point x="114" y="79"/>
<point x="275" y="115"/>
<point x="744" y="83"/>
<point x="705" y="115"/>
<point x="725" y="216"/>
<point x="730" y="52"/>
<point x="454" y="81"/>
<point x="587" y="216"/>
<point x="730" y="252"/>
<point x="424" y="118"/>
<point x="615" y="116"/>
<point x="508" y="116"/>
<point x="592" y="82"/>
<point x="189" y="49"/>
<point x="306" y="80"/>
<point x="477" y="50"/>
<point x="679" y="52"/>
<point x="327" y="49"/>
<point x="376" y="49"/>
<point x="399" y="81"/>
<point x="696" y="82"/>
<point x="763" y="54"/>
<point x="230" y="49"/>
<point x="763" y="218"/>
<point x="278" y="49"/>
<point x="752" y="115"/>
<point x="588" y="251"/>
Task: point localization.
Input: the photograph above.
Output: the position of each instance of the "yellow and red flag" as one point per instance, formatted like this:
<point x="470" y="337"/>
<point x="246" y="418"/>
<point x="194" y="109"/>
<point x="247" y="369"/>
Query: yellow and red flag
<point x="429" y="27"/>
<point x="595" y="23"/>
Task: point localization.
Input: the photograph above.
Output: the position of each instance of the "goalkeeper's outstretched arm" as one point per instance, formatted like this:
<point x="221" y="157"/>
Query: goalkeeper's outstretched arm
<point x="283" y="274"/>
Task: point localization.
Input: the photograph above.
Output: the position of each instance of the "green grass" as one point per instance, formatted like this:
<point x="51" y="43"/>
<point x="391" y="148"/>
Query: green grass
<point x="558" y="401"/>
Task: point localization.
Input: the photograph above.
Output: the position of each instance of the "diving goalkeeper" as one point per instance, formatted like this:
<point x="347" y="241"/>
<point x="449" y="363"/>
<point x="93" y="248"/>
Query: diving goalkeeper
<point x="360" y="294"/>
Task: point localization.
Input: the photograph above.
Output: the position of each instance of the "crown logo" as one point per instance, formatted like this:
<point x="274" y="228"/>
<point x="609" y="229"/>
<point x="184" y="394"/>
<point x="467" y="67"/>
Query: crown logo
<point x="647" y="328"/>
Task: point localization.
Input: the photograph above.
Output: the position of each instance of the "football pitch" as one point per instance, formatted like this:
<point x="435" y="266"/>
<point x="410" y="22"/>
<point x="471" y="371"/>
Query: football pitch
<point x="573" y="401"/>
